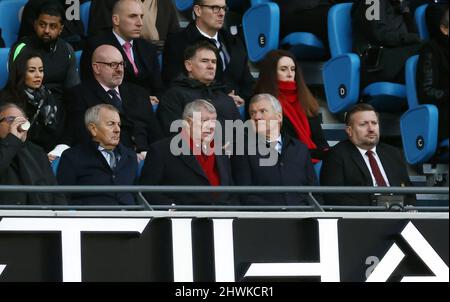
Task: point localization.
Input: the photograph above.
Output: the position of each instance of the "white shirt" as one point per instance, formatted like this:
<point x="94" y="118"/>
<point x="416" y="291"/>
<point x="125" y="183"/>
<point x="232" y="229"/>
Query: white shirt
<point x="377" y="158"/>
<point x="224" y="53"/>
<point x="279" y="144"/>
<point x="106" y="155"/>
<point x="122" y="42"/>
<point x="108" y="89"/>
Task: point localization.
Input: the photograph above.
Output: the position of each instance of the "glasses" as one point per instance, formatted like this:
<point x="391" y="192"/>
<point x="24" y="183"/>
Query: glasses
<point x="8" y="119"/>
<point x="114" y="65"/>
<point x="215" y="8"/>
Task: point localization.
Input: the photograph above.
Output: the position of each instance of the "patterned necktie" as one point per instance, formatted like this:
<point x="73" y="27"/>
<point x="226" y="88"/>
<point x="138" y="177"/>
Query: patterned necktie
<point x="127" y="47"/>
<point x="112" y="159"/>
<point x="376" y="170"/>
<point x="115" y="100"/>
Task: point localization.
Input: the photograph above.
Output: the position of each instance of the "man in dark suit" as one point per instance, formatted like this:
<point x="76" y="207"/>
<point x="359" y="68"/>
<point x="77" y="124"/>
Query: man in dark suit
<point x="139" y="125"/>
<point x="198" y="83"/>
<point x="279" y="160"/>
<point x="142" y="67"/>
<point x="189" y="159"/>
<point x="102" y="161"/>
<point x="232" y="68"/>
<point x="22" y="162"/>
<point x="363" y="161"/>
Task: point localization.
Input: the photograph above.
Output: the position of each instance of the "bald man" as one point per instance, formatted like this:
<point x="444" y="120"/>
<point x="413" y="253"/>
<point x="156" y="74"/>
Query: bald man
<point x="138" y="123"/>
<point x="142" y="66"/>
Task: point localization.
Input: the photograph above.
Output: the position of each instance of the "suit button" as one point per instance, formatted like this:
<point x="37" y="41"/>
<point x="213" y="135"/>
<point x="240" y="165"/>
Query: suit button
<point x="282" y="164"/>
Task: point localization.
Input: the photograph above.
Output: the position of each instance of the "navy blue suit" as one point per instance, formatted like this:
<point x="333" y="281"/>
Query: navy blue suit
<point x="84" y="165"/>
<point x="293" y="168"/>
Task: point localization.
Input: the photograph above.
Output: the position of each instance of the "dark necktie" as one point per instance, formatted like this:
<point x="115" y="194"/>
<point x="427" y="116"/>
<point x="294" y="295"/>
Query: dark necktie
<point x="112" y="159"/>
<point x="115" y="100"/>
<point x="376" y="170"/>
<point x="223" y="55"/>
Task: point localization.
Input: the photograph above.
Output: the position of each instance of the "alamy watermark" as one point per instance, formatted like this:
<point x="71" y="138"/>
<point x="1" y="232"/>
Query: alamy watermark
<point x="73" y="11"/>
<point x="234" y="138"/>
<point x="373" y="11"/>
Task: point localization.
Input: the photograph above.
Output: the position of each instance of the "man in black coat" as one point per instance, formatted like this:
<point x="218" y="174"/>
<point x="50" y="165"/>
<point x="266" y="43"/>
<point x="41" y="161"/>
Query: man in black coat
<point x="363" y="161"/>
<point x="139" y="125"/>
<point x="22" y="162"/>
<point x="277" y="160"/>
<point x="232" y="68"/>
<point x="142" y="67"/>
<point x="102" y="161"/>
<point x="189" y="159"/>
<point x="200" y="65"/>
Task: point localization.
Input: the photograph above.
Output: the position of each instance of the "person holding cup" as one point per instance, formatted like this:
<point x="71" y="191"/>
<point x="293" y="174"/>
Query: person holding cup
<point x="22" y="162"/>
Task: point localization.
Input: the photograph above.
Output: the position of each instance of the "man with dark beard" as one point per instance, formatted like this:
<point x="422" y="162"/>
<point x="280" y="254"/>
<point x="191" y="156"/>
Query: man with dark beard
<point x="60" y="67"/>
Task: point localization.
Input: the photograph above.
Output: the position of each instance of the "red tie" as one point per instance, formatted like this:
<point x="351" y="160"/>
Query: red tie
<point x="376" y="170"/>
<point x="127" y="47"/>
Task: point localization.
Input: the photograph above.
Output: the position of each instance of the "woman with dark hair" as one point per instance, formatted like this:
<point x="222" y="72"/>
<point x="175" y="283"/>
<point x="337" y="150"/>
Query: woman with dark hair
<point x="432" y="68"/>
<point x="281" y="77"/>
<point x="25" y="89"/>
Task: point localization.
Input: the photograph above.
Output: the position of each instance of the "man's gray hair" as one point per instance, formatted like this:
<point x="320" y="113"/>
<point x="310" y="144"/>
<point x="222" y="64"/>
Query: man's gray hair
<point x="196" y="106"/>
<point x="92" y="115"/>
<point x="273" y="101"/>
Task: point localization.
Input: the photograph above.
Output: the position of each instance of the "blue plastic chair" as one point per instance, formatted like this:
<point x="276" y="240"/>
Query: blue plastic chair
<point x="420" y="17"/>
<point x="183" y="5"/>
<point x="10" y="19"/>
<point x="261" y="24"/>
<point x="317" y="169"/>
<point x="419" y="125"/>
<point x="341" y="74"/>
<point x="4" y="53"/>
<point x="78" y="58"/>
<point x="84" y="15"/>
<point x="139" y="168"/>
<point x="55" y="164"/>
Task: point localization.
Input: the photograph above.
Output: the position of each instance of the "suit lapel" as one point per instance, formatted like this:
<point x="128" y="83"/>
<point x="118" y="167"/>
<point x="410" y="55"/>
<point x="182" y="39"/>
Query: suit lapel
<point x="387" y="165"/>
<point x="223" y="171"/>
<point x="193" y="164"/>
<point x="360" y="163"/>
<point x="100" y="92"/>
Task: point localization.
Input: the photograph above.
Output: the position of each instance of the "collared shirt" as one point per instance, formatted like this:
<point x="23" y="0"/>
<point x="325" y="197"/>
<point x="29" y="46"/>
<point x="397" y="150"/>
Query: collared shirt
<point x="279" y="144"/>
<point x="122" y="42"/>
<point x="107" y="156"/>
<point x="108" y="89"/>
<point x="377" y="158"/>
<point x="222" y="49"/>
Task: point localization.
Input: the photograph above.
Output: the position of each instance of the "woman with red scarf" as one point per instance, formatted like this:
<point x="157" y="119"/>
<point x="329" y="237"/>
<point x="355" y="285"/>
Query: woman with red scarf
<point x="281" y="77"/>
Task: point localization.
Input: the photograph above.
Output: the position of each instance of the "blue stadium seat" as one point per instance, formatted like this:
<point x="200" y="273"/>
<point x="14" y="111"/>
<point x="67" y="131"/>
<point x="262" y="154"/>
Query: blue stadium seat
<point x="419" y="125"/>
<point x="139" y="168"/>
<point x="183" y="5"/>
<point x="410" y="80"/>
<point x="155" y="107"/>
<point x="84" y="15"/>
<point x="4" y="52"/>
<point x="419" y="16"/>
<point x="419" y="128"/>
<point x="262" y="37"/>
<point x="78" y="57"/>
<point x="55" y="165"/>
<point x="317" y="169"/>
<point x="10" y="19"/>
<point x="341" y="74"/>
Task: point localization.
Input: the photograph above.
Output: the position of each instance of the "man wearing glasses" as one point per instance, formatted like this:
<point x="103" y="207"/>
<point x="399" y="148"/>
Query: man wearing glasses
<point x="22" y="162"/>
<point x="232" y="68"/>
<point x="139" y="125"/>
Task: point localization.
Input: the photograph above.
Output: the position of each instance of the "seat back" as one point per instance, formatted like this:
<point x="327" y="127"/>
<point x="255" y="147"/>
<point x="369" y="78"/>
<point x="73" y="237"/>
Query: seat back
<point x="11" y="14"/>
<point x="4" y="53"/>
<point x="256" y="2"/>
<point x="419" y="130"/>
<point x="340" y="29"/>
<point x="55" y="164"/>
<point x="183" y="5"/>
<point x="85" y="9"/>
<point x="261" y="37"/>
<point x="421" y="22"/>
<point x="410" y="80"/>
<point x="317" y="169"/>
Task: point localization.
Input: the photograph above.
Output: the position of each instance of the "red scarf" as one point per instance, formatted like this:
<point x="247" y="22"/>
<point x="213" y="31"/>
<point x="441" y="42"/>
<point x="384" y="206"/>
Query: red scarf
<point x="292" y="109"/>
<point x="207" y="161"/>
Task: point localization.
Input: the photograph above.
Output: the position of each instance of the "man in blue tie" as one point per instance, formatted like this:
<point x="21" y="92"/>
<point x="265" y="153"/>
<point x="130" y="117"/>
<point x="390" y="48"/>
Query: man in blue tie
<point x="101" y="161"/>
